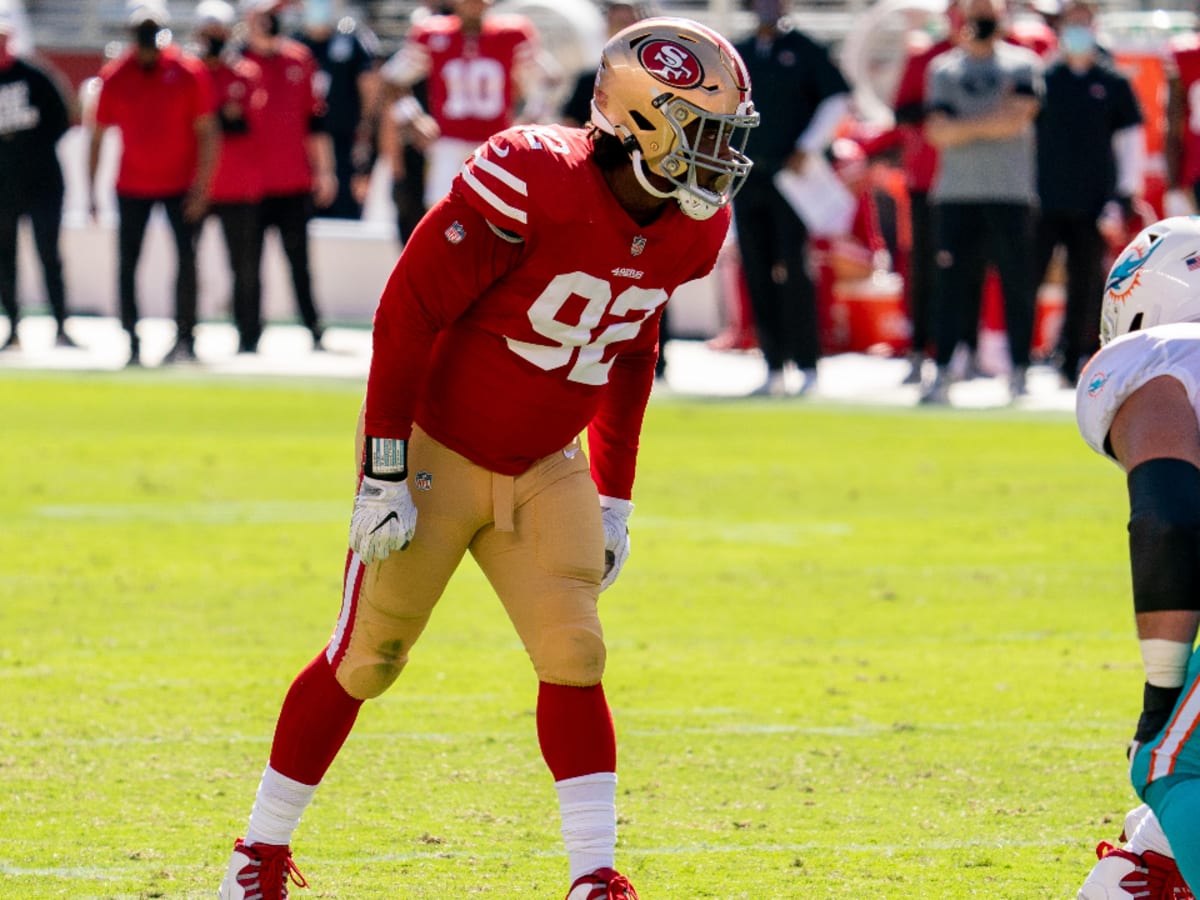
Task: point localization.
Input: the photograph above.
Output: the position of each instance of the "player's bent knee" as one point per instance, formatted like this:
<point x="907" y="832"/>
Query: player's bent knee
<point x="365" y="674"/>
<point x="570" y="655"/>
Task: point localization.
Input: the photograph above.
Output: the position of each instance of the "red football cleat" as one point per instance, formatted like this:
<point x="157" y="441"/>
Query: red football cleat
<point x="1123" y="875"/>
<point x="260" y="872"/>
<point x="603" y="884"/>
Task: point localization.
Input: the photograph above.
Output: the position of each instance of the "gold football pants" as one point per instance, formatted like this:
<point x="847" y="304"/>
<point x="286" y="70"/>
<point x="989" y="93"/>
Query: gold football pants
<point x="538" y="539"/>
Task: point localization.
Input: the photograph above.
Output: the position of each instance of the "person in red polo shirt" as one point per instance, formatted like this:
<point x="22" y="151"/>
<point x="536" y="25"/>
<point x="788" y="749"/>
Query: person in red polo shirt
<point x="296" y="159"/>
<point x="237" y="186"/>
<point x="162" y="103"/>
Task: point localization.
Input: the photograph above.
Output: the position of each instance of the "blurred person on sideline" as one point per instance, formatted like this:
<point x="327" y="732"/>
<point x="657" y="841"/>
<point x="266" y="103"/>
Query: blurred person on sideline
<point x="618" y="214"/>
<point x="618" y="14"/>
<point x="237" y="185"/>
<point x="1091" y="151"/>
<point x="161" y="100"/>
<point x="1136" y="404"/>
<point x="803" y="98"/>
<point x="484" y="70"/>
<point x="983" y="96"/>
<point x="406" y="130"/>
<point x="34" y="115"/>
<point x="347" y="54"/>
<point x="1183" y="125"/>
<point x="295" y="154"/>
<point x="918" y="159"/>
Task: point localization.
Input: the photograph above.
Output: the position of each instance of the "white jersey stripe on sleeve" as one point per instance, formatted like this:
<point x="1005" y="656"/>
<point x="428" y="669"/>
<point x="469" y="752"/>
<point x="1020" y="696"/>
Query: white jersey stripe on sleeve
<point x="501" y="174"/>
<point x="517" y="215"/>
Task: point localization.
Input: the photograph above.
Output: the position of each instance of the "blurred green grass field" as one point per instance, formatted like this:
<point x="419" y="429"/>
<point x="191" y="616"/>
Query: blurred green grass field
<point x="856" y="652"/>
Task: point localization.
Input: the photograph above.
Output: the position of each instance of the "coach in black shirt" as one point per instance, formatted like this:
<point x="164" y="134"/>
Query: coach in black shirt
<point x="33" y="116"/>
<point x="801" y="97"/>
<point x="1090" y="151"/>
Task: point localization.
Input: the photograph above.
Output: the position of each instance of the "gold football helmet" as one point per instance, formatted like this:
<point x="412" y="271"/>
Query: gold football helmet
<point x="677" y="95"/>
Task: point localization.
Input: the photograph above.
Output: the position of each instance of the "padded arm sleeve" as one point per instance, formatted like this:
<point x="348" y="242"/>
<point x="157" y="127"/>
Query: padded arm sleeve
<point x="1164" y="527"/>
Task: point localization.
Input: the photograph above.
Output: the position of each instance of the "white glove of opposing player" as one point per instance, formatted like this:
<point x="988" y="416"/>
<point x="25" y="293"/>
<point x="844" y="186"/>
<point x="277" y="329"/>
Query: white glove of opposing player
<point x="615" y="515"/>
<point x="384" y="519"/>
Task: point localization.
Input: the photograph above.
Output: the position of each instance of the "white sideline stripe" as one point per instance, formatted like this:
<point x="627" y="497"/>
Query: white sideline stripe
<point x="110" y="873"/>
<point x="730" y="730"/>
<point x="728" y="532"/>
<point x="221" y="512"/>
<point x="217" y="512"/>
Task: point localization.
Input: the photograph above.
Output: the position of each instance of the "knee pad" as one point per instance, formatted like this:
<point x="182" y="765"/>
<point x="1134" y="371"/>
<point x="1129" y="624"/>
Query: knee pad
<point x="570" y="654"/>
<point x="369" y="668"/>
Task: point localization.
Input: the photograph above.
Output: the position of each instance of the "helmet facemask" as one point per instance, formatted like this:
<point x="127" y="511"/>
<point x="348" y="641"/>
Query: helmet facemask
<point x="677" y="95"/>
<point x="707" y="163"/>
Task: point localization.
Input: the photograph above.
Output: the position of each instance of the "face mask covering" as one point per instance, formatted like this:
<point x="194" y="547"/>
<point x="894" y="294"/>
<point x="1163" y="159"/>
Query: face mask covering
<point x="318" y="13"/>
<point x="147" y="35"/>
<point x="1077" y="40"/>
<point x="983" y="28"/>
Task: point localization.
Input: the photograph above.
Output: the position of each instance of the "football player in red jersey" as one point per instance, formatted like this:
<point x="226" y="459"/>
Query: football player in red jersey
<point x="523" y="311"/>
<point x="481" y="66"/>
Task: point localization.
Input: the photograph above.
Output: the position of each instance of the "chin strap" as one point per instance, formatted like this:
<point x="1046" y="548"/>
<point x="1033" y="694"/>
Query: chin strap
<point x="692" y="205"/>
<point x="639" y="170"/>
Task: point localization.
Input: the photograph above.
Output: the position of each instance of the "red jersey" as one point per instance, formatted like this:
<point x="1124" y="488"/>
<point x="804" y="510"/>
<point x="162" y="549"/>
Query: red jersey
<point x="156" y="111"/>
<point x="240" y="98"/>
<point x="504" y="349"/>
<point x="473" y="87"/>
<point x="1185" y="54"/>
<point x="919" y="157"/>
<point x="291" y="112"/>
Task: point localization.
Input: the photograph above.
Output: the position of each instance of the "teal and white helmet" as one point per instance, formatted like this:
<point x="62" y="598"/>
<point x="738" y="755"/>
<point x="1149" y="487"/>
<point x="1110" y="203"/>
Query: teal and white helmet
<point x="1155" y="279"/>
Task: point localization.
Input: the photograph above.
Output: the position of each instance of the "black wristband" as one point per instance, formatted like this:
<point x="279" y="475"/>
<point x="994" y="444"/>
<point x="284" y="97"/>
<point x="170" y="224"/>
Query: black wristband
<point x="385" y="459"/>
<point x="1157" y="703"/>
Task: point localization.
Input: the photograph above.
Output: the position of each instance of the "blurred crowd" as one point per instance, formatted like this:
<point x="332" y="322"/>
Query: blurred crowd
<point x="1013" y="155"/>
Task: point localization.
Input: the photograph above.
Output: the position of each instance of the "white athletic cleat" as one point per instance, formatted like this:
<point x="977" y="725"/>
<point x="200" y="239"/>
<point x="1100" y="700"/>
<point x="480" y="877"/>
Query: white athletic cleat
<point x="260" y="872"/>
<point x="603" y="884"/>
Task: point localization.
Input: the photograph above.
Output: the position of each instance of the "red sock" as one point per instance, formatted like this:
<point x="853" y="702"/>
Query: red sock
<point x="575" y="729"/>
<point x="315" y="720"/>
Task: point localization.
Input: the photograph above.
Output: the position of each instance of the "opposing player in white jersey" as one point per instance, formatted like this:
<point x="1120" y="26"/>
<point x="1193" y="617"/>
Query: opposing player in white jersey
<point x="523" y="311"/>
<point x="1138" y="403"/>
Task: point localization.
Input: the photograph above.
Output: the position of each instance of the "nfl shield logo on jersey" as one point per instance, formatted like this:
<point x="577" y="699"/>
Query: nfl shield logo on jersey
<point x="638" y="245"/>
<point x="423" y="481"/>
<point x="455" y="233"/>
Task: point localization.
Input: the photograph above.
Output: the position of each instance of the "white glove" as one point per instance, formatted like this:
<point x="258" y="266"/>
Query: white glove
<point x="615" y="515"/>
<point x="1178" y="202"/>
<point x="384" y="519"/>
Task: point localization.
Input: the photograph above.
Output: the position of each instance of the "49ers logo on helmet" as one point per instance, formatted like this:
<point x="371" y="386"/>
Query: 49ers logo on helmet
<point x="671" y="63"/>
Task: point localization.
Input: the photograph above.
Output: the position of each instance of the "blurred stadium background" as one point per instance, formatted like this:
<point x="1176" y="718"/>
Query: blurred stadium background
<point x="352" y="259"/>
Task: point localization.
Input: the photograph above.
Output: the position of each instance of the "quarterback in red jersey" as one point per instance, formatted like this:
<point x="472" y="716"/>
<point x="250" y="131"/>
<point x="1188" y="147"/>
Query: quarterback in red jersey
<point x="480" y="67"/>
<point x="523" y="310"/>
